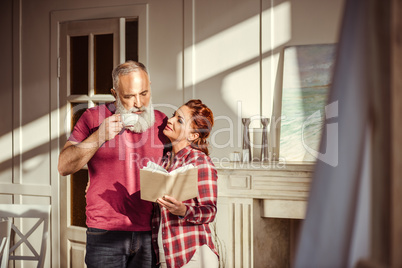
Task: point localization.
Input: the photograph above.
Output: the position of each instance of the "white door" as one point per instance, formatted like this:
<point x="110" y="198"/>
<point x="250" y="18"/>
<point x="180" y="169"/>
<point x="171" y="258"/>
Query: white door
<point x="89" y="50"/>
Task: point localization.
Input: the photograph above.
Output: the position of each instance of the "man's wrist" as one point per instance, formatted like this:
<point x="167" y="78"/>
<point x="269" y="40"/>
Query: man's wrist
<point x="99" y="137"/>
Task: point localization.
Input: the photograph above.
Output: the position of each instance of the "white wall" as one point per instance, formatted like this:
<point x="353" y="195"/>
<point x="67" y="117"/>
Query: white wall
<point x="227" y="53"/>
<point x="233" y="56"/>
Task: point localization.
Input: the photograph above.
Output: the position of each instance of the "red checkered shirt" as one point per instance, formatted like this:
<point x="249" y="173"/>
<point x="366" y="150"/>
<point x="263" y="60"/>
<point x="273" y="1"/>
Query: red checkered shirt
<point x="182" y="236"/>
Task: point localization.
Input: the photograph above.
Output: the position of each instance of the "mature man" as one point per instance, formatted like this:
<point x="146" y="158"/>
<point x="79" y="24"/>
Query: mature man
<point x="119" y="222"/>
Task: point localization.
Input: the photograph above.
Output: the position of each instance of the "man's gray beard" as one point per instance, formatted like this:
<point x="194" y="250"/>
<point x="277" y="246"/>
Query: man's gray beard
<point x="145" y="120"/>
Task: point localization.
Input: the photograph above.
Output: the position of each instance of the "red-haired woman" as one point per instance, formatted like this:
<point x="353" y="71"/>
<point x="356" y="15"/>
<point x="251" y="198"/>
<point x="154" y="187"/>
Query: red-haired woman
<point x="181" y="233"/>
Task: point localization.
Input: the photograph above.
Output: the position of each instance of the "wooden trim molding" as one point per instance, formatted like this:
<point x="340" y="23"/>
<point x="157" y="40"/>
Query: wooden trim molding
<point x="396" y="133"/>
<point x="17" y="92"/>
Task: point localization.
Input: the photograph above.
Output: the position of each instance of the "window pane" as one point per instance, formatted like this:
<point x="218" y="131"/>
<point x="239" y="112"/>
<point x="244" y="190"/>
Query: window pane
<point x="77" y="109"/>
<point x="79" y="182"/>
<point x="79" y="65"/>
<point x="132" y="40"/>
<point x="103" y="65"/>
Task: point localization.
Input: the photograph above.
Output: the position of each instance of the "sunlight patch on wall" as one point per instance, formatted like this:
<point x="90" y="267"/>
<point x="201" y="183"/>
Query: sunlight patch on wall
<point x="5" y="142"/>
<point x="236" y="87"/>
<point x="276" y="27"/>
<point x="33" y="135"/>
<point x="227" y="49"/>
<point x="225" y="54"/>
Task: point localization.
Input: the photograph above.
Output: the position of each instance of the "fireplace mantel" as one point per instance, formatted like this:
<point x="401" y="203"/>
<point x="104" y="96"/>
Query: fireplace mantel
<point x="257" y="203"/>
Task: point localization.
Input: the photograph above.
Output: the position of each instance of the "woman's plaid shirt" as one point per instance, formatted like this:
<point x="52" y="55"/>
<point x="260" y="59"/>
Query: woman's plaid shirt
<point x="181" y="236"/>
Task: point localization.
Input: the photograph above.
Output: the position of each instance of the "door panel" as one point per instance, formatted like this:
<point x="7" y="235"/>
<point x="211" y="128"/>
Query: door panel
<point x="89" y="51"/>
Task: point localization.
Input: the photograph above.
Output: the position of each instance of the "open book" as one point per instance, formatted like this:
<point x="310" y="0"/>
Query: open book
<point x="181" y="183"/>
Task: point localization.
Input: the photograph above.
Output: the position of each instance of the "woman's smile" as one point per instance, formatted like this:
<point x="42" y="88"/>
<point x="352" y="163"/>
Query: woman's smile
<point x="168" y="128"/>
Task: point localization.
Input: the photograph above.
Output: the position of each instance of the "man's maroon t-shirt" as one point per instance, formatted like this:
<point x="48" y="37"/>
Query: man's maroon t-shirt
<point x="113" y="198"/>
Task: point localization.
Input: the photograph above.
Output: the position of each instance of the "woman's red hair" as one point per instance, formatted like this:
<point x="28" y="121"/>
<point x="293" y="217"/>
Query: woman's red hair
<point x="202" y="122"/>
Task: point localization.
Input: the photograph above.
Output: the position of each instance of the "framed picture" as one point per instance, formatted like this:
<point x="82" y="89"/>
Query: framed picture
<point x="307" y="77"/>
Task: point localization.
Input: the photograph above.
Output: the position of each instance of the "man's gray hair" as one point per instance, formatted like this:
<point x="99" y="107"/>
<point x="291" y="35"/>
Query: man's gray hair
<point x="126" y="68"/>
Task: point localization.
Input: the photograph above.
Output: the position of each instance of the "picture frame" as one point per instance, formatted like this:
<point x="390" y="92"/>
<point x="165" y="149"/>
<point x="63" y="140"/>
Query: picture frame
<point x="307" y="78"/>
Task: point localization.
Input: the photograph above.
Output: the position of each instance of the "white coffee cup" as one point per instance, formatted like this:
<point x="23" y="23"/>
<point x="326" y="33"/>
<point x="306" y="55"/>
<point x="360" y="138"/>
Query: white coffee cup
<point x="129" y="120"/>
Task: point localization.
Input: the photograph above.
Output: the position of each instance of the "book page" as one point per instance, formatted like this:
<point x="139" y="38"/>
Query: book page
<point x="181" y="169"/>
<point x="185" y="185"/>
<point x="153" y="167"/>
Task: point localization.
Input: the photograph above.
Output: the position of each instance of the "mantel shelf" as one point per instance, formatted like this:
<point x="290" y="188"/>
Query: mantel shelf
<point x="283" y="188"/>
<point x="265" y="166"/>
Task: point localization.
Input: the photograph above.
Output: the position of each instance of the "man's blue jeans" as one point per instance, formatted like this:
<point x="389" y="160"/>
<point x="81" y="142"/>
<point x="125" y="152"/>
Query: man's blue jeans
<point x="117" y="249"/>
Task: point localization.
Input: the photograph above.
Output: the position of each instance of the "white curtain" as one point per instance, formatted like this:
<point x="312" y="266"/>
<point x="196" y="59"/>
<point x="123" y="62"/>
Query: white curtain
<point x="335" y="232"/>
